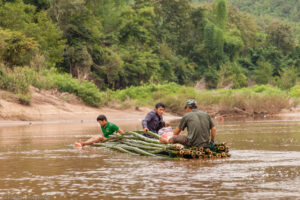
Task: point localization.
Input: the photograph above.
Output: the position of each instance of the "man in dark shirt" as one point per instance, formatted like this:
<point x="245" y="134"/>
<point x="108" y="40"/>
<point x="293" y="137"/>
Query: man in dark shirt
<point x="201" y="130"/>
<point x="154" y="120"/>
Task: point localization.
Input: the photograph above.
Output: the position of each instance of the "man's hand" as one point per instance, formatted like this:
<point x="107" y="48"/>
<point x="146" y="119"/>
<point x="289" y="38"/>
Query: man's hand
<point x="119" y="131"/>
<point x="167" y="124"/>
<point x="177" y="131"/>
<point x="146" y="130"/>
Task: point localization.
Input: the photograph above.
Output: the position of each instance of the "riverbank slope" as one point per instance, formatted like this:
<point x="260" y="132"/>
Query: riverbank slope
<point x="52" y="105"/>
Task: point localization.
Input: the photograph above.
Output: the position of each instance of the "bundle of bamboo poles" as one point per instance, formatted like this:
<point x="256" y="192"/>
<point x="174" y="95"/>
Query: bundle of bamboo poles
<point x="134" y="142"/>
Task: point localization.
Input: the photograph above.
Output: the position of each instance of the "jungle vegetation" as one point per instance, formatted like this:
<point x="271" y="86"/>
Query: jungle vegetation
<point x="109" y="45"/>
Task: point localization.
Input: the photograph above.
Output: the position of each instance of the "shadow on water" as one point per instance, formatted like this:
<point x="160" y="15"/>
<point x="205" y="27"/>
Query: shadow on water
<point x="40" y="162"/>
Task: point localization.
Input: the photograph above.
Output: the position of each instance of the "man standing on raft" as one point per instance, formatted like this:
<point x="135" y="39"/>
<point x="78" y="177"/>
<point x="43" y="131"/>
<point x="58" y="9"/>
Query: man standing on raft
<point x="201" y="130"/>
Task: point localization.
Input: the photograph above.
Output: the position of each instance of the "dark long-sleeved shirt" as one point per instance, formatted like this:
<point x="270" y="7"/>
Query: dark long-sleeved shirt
<point x="153" y="122"/>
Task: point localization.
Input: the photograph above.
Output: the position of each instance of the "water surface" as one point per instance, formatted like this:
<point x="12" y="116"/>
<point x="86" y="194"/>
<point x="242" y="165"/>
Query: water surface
<point x="39" y="162"/>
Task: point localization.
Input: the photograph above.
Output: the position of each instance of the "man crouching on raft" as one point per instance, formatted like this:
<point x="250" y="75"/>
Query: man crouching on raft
<point x="154" y="120"/>
<point x="201" y="130"/>
<point x="108" y="129"/>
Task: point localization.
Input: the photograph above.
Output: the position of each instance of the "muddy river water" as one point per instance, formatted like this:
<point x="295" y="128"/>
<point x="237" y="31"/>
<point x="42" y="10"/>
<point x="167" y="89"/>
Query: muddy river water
<point x="39" y="162"/>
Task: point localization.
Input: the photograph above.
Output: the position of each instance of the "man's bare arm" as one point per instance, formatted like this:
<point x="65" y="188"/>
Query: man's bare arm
<point x="177" y="131"/>
<point x="213" y="133"/>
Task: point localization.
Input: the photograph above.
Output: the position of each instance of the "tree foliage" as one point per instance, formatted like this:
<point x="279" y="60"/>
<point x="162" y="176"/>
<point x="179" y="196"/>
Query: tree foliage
<point x="122" y="43"/>
<point x="21" y="17"/>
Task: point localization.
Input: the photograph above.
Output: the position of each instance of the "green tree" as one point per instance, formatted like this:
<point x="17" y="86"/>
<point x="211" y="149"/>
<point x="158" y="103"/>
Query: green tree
<point x="39" y="4"/>
<point x="233" y="44"/>
<point x="173" y="23"/>
<point x="263" y="73"/>
<point x="137" y="27"/>
<point x="281" y="36"/>
<point x="81" y="30"/>
<point x="231" y="76"/>
<point x="288" y="78"/>
<point x="221" y="13"/>
<point x="16" y="48"/>
<point x="79" y="61"/>
<point x="24" y="18"/>
<point x="246" y="25"/>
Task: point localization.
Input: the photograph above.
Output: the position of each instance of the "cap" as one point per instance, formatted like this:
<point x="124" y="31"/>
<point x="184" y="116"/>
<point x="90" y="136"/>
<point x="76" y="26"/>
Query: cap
<point x="190" y="103"/>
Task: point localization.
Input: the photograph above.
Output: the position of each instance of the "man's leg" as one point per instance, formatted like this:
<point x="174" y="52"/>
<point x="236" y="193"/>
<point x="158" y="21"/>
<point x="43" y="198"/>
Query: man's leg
<point x="181" y="139"/>
<point x="92" y="140"/>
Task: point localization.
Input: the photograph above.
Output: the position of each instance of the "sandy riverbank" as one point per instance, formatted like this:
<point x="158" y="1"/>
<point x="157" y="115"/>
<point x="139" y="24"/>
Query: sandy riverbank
<point x="52" y="106"/>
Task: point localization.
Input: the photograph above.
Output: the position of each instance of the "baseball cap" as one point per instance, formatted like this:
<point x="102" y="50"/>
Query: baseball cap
<point x="190" y="103"/>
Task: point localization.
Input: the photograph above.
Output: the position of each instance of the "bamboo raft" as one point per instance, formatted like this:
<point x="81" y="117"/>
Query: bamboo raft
<point x="135" y="143"/>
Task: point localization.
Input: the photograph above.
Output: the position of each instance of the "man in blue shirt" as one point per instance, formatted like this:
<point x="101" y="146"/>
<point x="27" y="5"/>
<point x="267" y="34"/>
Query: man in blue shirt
<point x="154" y="120"/>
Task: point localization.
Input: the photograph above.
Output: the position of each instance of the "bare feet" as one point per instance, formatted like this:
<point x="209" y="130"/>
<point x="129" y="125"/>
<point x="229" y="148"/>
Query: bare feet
<point x="78" y="144"/>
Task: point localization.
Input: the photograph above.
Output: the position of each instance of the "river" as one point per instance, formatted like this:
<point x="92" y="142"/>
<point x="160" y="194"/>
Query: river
<point x="38" y="161"/>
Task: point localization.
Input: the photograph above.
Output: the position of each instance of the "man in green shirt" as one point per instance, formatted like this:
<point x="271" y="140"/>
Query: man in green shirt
<point x="201" y="130"/>
<point x="108" y="128"/>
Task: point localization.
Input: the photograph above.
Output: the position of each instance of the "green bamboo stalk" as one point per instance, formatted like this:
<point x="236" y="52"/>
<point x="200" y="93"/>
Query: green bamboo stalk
<point x="155" y="135"/>
<point x="119" y="137"/>
<point x="104" y="144"/>
<point x="134" y="143"/>
<point x="123" y="150"/>
<point x="111" y="138"/>
<point x="141" y="146"/>
<point x="145" y="143"/>
<point x="137" y="150"/>
<point x="173" y="152"/>
<point x="144" y="138"/>
<point x="116" y="147"/>
<point x="158" y="151"/>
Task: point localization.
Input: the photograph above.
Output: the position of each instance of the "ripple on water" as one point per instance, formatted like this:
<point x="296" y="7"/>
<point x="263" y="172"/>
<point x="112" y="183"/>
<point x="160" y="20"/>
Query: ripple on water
<point x="63" y="172"/>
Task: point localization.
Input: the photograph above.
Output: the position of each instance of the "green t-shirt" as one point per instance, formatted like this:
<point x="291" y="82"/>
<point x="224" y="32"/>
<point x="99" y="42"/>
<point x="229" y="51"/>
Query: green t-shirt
<point x="109" y="129"/>
<point x="198" y="125"/>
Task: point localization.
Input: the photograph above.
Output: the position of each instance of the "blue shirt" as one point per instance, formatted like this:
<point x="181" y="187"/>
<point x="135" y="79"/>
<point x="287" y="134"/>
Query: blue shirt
<point x="153" y="121"/>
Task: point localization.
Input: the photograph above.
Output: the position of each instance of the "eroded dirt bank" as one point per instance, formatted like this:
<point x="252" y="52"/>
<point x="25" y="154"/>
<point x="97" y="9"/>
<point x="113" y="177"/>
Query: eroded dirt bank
<point x="53" y="106"/>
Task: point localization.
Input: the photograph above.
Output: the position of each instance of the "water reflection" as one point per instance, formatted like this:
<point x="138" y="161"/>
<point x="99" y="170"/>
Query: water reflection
<point x="40" y="161"/>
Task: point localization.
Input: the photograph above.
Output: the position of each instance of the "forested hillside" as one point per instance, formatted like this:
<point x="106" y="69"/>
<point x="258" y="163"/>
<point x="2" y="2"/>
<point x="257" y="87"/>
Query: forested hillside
<point x="265" y="11"/>
<point x="276" y="8"/>
<point x="121" y="43"/>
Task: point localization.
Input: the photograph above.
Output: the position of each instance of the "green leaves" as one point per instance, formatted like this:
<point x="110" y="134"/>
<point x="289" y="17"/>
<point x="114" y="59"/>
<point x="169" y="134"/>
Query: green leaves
<point x="86" y="90"/>
<point x="121" y="43"/>
<point x="23" y="18"/>
<point x="16" y="48"/>
<point x="263" y="73"/>
<point x="281" y="36"/>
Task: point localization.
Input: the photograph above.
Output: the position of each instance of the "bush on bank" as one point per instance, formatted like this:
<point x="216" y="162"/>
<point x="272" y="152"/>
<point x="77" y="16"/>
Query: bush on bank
<point x="19" y="79"/>
<point x="257" y="99"/>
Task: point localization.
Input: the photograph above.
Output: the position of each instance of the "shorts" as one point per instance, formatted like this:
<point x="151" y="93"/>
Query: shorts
<point x="181" y="139"/>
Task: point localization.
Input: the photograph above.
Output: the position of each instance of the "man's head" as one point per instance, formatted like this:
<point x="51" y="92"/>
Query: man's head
<point x="102" y="120"/>
<point x="190" y="104"/>
<point x="160" y="108"/>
